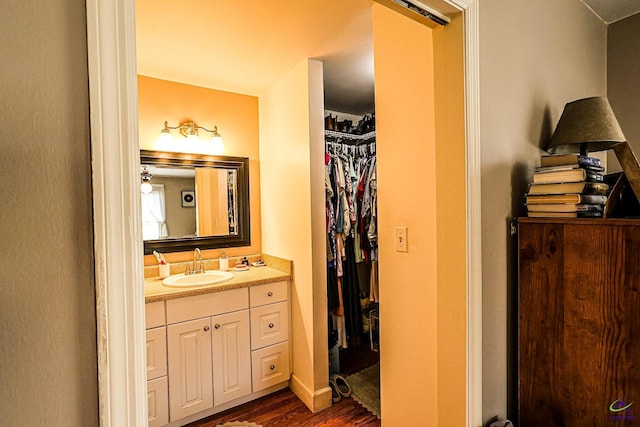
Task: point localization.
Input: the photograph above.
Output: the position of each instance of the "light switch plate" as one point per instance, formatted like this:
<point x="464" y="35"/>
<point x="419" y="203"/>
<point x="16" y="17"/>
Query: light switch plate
<point x="401" y="239"/>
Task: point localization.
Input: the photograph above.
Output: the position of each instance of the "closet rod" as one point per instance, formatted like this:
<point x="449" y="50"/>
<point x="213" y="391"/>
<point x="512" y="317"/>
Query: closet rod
<point x="349" y="139"/>
<point x="354" y="136"/>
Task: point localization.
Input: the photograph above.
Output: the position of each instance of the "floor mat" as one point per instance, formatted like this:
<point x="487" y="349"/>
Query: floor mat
<point x="365" y="388"/>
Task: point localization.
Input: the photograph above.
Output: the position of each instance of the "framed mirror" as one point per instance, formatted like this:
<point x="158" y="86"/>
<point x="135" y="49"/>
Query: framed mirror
<point x="194" y="200"/>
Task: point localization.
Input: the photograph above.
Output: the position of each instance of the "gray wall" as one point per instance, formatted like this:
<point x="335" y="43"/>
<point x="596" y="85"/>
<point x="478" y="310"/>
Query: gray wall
<point x="623" y="80"/>
<point x="535" y="57"/>
<point x="181" y="221"/>
<point x="47" y="302"/>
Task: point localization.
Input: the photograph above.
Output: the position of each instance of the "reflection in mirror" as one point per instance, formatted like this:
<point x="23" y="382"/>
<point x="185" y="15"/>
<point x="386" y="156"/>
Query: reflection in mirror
<point x="189" y="202"/>
<point x="194" y="201"/>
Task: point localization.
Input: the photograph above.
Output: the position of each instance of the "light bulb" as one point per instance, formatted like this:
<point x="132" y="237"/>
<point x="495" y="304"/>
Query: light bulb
<point x="217" y="145"/>
<point x="146" y="187"/>
<point x="165" y="141"/>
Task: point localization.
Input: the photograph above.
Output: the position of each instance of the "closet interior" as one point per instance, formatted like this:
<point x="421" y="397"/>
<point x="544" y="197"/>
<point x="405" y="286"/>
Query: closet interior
<point x="352" y="246"/>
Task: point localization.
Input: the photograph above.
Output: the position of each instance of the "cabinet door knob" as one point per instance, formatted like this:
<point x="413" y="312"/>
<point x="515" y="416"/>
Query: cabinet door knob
<point x="272" y="367"/>
<point x="206" y="328"/>
<point x="271" y="325"/>
<point x="217" y="326"/>
<point x="270" y="294"/>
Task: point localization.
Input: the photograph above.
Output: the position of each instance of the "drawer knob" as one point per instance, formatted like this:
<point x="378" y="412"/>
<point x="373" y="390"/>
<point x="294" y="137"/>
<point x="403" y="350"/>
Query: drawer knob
<point x="217" y="326"/>
<point x="271" y="325"/>
<point x="206" y="328"/>
<point x="272" y="367"/>
<point x="270" y="294"/>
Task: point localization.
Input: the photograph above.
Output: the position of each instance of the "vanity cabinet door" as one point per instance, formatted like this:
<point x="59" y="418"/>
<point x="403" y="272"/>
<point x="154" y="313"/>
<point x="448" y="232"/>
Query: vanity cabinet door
<point x="189" y="354"/>
<point x="231" y="356"/>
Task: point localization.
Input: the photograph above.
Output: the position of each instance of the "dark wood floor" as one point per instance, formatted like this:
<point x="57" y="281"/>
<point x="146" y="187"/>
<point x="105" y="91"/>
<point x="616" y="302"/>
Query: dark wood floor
<point x="284" y="409"/>
<point x="355" y="359"/>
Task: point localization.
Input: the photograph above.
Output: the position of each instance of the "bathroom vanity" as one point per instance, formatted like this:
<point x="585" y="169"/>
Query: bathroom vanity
<point x="215" y="347"/>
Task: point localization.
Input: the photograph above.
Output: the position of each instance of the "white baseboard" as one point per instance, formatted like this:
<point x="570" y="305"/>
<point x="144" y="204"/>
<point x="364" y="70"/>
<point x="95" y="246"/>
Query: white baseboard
<point x="315" y="401"/>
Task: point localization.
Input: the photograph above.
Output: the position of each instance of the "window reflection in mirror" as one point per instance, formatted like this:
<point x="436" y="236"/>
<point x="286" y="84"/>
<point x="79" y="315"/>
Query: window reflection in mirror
<point x="195" y="201"/>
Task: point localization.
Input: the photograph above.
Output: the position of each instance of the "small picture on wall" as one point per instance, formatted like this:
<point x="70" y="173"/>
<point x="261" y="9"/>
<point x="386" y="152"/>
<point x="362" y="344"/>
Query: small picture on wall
<point x="188" y="199"/>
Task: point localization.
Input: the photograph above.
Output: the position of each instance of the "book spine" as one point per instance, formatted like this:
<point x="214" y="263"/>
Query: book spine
<point x="594" y="177"/>
<point x="589" y="161"/>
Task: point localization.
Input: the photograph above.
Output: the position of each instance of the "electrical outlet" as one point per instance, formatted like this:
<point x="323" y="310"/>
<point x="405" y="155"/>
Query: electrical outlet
<point x="401" y="239"/>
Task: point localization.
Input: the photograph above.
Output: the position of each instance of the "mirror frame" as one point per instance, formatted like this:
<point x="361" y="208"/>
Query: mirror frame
<point x="240" y="165"/>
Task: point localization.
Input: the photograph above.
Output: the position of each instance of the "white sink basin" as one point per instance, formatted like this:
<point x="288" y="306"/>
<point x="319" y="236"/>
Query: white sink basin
<point x="193" y="280"/>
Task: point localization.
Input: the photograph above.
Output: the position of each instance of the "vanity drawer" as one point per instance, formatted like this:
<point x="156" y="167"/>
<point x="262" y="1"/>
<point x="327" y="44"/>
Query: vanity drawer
<point x="269" y="293"/>
<point x="154" y="314"/>
<point x="158" y="402"/>
<point x="156" y="352"/>
<point x="270" y="366"/>
<point x="269" y="324"/>
<point x="198" y="306"/>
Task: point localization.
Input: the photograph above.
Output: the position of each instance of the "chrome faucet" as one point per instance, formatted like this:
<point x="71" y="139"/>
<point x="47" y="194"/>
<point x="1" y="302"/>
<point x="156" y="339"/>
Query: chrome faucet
<point x="196" y="267"/>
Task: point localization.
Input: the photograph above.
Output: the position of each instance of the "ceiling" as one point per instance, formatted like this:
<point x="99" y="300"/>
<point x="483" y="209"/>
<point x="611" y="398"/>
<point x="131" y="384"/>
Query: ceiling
<point x="245" y="46"/>
<point x="611" y="11"/>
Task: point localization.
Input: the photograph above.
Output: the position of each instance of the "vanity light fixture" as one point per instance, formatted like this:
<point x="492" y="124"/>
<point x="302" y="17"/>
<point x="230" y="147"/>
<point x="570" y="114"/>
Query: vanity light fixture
<point x="145" y="176"/>
<point x="189" y="129"/>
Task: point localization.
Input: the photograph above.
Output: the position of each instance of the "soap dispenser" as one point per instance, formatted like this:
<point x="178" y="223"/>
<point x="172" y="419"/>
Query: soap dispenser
<point x="224" y="262"/>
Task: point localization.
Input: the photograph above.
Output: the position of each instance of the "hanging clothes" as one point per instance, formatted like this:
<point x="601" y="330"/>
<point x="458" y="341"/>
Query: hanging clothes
<point x="351" y="211"/>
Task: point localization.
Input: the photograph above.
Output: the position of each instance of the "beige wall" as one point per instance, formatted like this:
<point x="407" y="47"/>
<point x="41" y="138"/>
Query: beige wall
<point x="406" y="155"/>
<point x="448" y="48"/>
<point x="47" y="308"/>
<point x="623" y="84"/>
<point x="180" y="221"/>
<point x="237" y="119"/>
<point x="534" y="58"/>
<point x="421" y="185"/>
<point x="292" y="182"/>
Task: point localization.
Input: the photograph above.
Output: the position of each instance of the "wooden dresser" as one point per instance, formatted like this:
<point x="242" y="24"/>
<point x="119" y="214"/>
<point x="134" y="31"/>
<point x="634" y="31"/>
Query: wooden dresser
<point x="578" y="322"/>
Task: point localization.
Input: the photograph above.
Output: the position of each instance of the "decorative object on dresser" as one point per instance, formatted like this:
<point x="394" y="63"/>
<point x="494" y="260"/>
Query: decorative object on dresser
<point x="589" y="124"/>
<point x="568" y="186"/>
<point x="578" y="317"/>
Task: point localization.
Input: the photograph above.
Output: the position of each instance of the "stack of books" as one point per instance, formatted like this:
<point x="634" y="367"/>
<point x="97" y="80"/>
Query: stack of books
<point x="567" y="186"/>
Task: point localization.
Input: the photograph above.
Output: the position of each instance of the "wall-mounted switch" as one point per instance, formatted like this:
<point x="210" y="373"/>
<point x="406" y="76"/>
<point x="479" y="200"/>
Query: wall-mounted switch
<point x="401" y="239"/>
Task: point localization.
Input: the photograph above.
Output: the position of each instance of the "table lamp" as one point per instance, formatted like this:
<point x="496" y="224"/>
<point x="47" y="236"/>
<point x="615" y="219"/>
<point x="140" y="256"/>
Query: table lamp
<point x="589" y="125"/>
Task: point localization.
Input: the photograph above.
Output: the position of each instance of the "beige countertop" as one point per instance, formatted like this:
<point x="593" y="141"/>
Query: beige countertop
<point x="154" y="290"/>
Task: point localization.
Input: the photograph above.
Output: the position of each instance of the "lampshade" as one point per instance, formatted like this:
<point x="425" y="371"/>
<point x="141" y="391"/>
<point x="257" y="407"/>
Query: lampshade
<point x="586" y="125"/>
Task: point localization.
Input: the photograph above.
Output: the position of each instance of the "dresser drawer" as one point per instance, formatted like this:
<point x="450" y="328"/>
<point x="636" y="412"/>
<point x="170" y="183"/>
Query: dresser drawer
<point x="199" y="306"/>
<point x="154" y="314"/>
<point x="269" y="324"/>
<point x="269" y="293"/>
<point x="270" y="366"/>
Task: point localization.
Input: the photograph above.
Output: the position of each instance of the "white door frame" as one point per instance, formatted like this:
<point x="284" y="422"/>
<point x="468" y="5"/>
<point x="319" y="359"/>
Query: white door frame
<point x="118" y="239"/>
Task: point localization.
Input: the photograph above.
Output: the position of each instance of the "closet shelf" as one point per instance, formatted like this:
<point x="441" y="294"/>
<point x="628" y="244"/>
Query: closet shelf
<point x="336" y="134"/>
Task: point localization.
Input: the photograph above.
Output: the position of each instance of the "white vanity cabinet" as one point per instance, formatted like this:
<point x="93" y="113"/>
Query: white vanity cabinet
<point x="269" y="335"/>
<point x="157" y="384"/>
<point x="209" y="352"/>
<point x="209" y="361"/>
